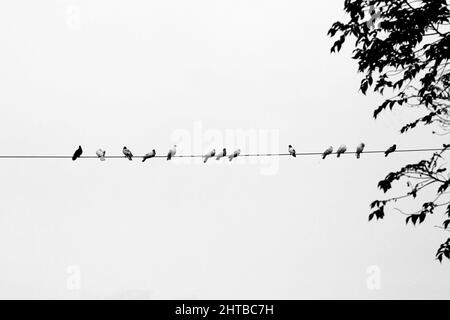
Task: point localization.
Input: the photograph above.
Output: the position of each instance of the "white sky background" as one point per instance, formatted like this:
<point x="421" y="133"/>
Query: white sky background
<point x="137" y="72"/>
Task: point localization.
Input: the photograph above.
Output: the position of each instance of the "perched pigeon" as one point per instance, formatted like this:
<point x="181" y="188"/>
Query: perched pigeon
<point x="210" y="154"/>
<point x="101" y="154"/>
<point x="234" y="155"/>
<point x="127" y="153"/>
<point x="221" y="154"/>
<point x="327" y="152"/>
<point x="292" y="151"/>
<point x="341" y="150"/>
<point x="172" y="152"/>
<point x="77" y="153"/>
<point x="149" y="155"/>
<point x="390" y="150"/>
<point x="359" y="149"/>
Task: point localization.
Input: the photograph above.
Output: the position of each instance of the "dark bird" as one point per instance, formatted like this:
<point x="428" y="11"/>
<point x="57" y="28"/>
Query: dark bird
<point x="292" y="151"/>
<point x="342" y="149"/>
<point x="390" y="150"/>
<point x="127" y="153"/>
<point x="149" y="155"/>
<point x="359" y="149"/>
<point x="327" y="152"/>
<point x="77" y="153"/>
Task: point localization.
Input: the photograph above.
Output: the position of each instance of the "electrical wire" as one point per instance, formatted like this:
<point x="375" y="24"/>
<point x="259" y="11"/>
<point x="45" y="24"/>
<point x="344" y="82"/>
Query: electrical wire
<point x="299" y="154"/>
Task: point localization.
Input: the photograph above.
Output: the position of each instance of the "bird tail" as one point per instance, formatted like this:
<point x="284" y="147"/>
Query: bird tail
<point x="324" y="156"/>
<point x="143" y="159"/>
<point x="169" y="156"/>
<point x="358" y="155"/>
<point x="338" y="155"/>
<point x="102" y="158"/>
<point x="218" y="157"/>
<point x="74" y="158"/>
<point x="206" y="159"/>
<point x="294" y="155"/>
<point x="230" y="158"/>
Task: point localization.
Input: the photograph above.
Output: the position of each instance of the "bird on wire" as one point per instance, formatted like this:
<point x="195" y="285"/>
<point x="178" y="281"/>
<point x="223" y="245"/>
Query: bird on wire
<point x="327" y="152"/>
<point x="342" y="149"/>
<point x="234" y="155"/>
<point x="359" y="150"/>
<point x="172" y="152"/>
<point x="127" y="153"/>
<point x="149" y="155"/>
<point x="390" y="150"/>
<point x="221" y="154"/>
<point x="101" y="154"/>
<point x="210" y="154"/>
<point x="77" y="153"/>
<point x="292" y="151"/>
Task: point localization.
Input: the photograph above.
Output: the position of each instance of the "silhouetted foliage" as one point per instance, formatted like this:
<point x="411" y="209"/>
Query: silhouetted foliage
<point x="402" y="48"/>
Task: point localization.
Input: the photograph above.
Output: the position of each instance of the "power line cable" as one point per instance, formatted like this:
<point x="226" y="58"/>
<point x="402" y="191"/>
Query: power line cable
<point x="201" y="156"/>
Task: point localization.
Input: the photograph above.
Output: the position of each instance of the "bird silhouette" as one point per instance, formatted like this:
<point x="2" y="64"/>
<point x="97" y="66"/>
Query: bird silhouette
<point x="127" y="153"/>
<point x="77" y="153"/>
<point x="172" y="152"/>
<point x="234" y="155"/>
<point x="390" y="150"/>
<point x="101" y="154"/>
<point x="359" y="149"/>
<point x="221" y="154"/>
<point x="292" y="151"/>
<point x="342" y="149"/>
<point x="327" y="152"/>
<point x="210" y="154"/>
<point x="149" y="155"/>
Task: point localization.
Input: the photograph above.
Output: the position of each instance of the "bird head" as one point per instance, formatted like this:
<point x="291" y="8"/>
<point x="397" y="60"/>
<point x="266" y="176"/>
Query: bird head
<point x="290" y="146"/>
<point x="124" y="148"/>
<point x="224" y="150"/>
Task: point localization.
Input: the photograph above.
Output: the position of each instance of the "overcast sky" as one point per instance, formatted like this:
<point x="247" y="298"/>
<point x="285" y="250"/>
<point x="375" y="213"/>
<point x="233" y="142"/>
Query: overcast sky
<point x="149" y="74"/>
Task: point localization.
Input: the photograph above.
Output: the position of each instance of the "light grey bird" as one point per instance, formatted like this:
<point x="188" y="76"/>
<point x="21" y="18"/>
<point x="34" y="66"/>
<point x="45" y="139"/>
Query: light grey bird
<point x="101" y="154"/>
<point x="359" y="149"/>
<point x="292" y="151"/>
<point x="221" y="154"/>
<point x="234" y="155"/>
<point x="342" y="149"/>
<point x="327" y="152"/>
<point x="127" y="153"/>
<point x="172" y="152"/>
<point x="210" y="154"/>
<point x="149" y="155"/>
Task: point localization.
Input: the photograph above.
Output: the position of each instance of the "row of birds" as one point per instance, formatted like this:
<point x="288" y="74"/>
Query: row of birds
<point x="343" y="149"/>
<point x="211" y="154"/>
<point x="101" y="154"/>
